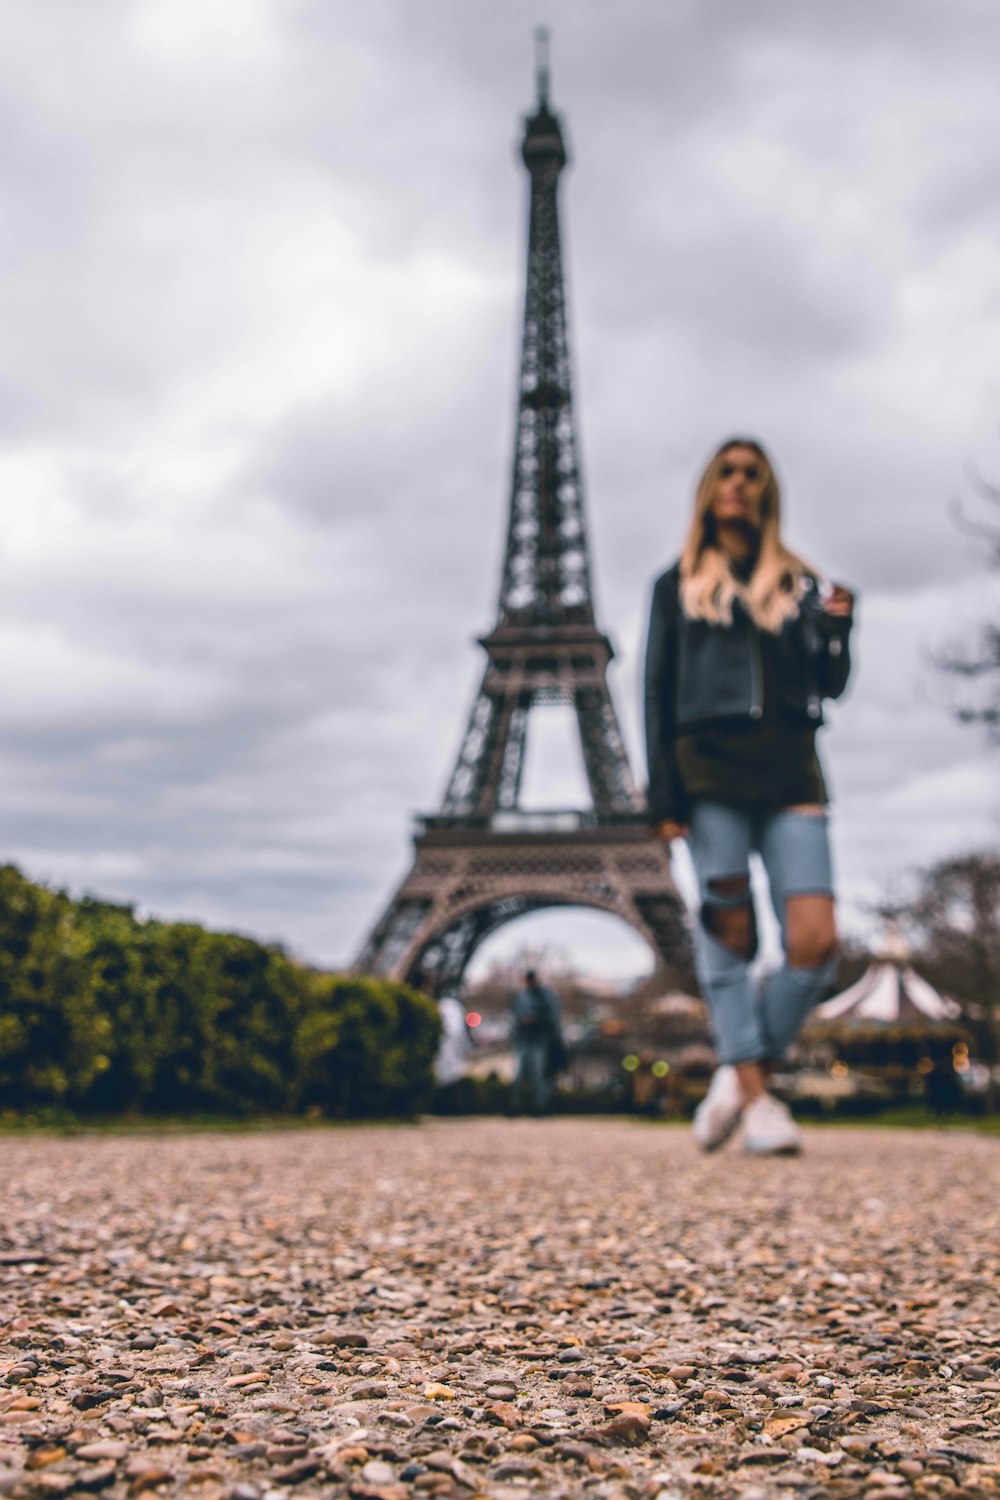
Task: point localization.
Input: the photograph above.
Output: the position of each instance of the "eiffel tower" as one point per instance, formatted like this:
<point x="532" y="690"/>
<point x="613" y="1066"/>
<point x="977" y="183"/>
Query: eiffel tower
<point x="482" y="861"/>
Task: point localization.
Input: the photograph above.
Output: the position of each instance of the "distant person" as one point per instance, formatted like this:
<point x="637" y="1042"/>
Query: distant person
<point x="745" y="641"/>
<point x="536" y="1032"/>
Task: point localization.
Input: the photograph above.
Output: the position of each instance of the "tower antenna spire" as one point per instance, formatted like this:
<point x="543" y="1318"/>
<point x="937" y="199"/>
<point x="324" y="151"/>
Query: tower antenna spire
<point x="542" y="64"/>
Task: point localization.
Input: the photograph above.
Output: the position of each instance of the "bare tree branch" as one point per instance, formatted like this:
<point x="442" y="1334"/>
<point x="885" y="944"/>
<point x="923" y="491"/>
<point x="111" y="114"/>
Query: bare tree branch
<point x="977" y="661"/>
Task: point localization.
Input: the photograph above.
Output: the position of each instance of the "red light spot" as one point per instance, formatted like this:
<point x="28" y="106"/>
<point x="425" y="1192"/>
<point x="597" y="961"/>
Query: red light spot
<point x="473" y="1018"/>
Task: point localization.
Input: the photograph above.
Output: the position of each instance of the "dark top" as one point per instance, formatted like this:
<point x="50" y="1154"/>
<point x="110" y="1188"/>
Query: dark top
<point x="732" y="710"/>
<point x="769" y="760"/>
<point x="535" y="1014"/>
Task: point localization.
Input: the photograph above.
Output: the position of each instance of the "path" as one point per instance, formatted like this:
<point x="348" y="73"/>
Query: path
<point x="499" y="1308"/>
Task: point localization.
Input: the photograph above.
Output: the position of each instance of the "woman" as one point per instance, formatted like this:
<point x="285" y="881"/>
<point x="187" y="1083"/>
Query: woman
<point x="744" y="643"/>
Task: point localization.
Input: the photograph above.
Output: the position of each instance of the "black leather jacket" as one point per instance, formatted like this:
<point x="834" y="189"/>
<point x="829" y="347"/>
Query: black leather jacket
<point x="698" y="674"/>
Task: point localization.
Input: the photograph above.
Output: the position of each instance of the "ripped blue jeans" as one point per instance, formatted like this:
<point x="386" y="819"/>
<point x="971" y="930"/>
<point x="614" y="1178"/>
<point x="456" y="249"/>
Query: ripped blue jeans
<point x="752" y="1022"/>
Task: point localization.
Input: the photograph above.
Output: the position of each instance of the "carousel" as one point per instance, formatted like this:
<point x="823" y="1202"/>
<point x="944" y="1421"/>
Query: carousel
<point x="890" y="1035"/>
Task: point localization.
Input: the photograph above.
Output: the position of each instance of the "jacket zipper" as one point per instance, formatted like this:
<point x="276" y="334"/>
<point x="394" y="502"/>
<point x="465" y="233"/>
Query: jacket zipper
<point x="756" y="676"/>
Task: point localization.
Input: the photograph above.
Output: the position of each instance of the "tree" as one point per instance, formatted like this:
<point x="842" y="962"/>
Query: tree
<point x="955" y="917"/>
<point x="102" y="1011"/>
<point x="365" y="1048"/>
<point x="976" y="663"/>
<point x="53" y="1036"/>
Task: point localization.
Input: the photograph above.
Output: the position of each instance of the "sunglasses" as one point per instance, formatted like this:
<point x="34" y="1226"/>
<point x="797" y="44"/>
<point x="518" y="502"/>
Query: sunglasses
<point x="749" y="471"/>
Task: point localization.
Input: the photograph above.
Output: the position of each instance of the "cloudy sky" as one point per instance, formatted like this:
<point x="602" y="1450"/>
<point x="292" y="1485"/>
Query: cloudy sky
<point x="261" y="276"/>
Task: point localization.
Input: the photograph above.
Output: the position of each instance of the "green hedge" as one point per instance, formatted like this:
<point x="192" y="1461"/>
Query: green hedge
<point x="101" y="1012"/>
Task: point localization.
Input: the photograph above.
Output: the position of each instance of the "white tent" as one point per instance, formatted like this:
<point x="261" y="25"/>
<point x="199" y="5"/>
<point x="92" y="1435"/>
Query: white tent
<point x="889" y="993"/>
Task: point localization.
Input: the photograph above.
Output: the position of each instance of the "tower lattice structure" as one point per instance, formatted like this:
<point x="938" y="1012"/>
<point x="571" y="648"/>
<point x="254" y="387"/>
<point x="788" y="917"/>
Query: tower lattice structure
<point x="482" y="861"/>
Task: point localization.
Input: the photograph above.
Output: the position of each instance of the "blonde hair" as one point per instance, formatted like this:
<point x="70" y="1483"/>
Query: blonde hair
<point x="708" y="584"/>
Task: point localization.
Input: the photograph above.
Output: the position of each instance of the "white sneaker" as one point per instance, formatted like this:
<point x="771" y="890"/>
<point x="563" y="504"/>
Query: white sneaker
<point x="769" y="1130"/>
<point x="718" y="1114"/>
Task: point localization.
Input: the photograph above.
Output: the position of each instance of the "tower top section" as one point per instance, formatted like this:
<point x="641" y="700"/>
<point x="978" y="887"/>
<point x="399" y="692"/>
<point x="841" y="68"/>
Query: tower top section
<point x="546" y="573"/>
<point x="543" y="148"/>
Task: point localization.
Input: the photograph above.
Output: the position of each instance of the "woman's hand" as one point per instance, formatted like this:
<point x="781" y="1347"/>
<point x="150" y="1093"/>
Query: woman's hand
<point x="840" y="602"/>
<point x="669" y="830"/>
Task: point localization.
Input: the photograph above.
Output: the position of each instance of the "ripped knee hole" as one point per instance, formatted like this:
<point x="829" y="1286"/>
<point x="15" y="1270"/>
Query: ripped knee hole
<point x="734" y="888"/>
<point x="728" y="915"/>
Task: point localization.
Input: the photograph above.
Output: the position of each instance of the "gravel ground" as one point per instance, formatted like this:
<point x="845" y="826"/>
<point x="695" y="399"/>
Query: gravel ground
<point x="499" y="1308"/>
